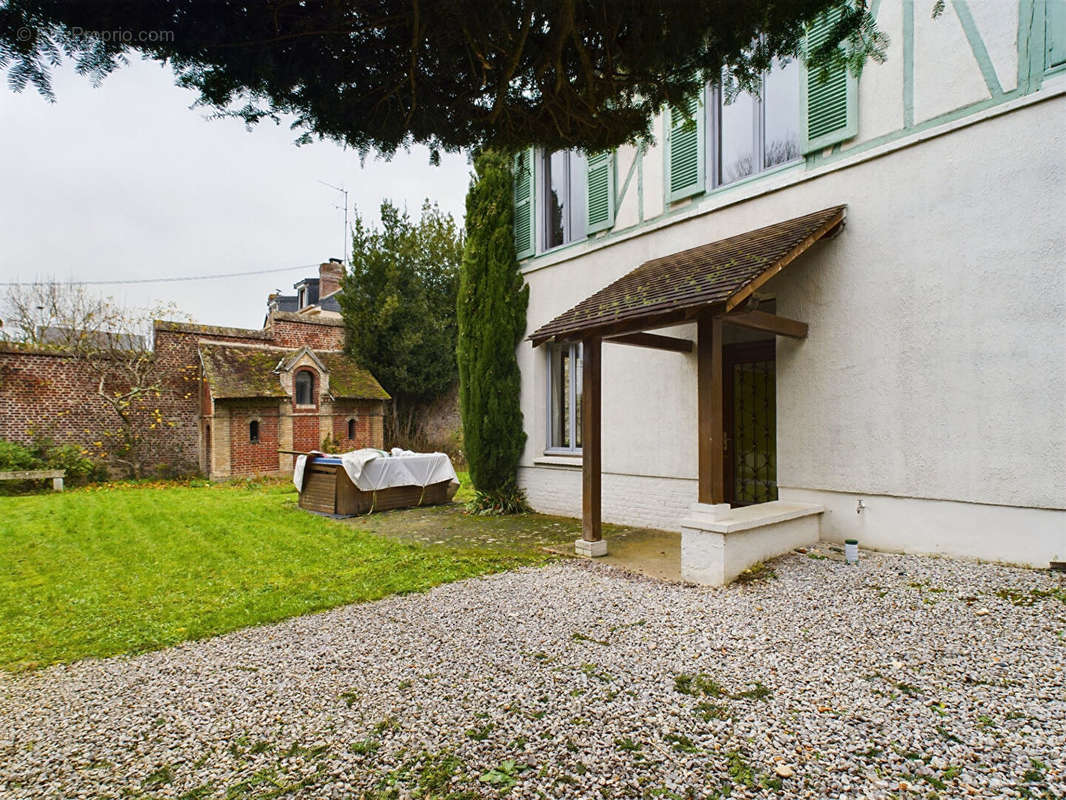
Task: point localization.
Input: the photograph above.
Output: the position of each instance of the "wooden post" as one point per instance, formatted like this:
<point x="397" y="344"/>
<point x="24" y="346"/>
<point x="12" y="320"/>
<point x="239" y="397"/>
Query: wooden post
<point x="590" y="440"/>
<point x="710" y="428"/>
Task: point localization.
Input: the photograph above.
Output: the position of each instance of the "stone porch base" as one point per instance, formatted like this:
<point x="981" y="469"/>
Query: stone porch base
<point x="719" y="542"/>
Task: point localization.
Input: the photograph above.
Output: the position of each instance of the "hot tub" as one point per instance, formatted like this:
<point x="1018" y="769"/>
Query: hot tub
<point x="328" y="489"/>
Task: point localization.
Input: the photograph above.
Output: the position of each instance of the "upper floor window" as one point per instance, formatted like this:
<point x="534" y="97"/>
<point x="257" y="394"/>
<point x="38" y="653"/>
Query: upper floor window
<point x="564" y="398"/>
<point x="717" y="140"/>
<point x="303" y="388"/>
<point x="561" y="197"/>
<point x="756" y="132"/>
<point x="563" y="187"/>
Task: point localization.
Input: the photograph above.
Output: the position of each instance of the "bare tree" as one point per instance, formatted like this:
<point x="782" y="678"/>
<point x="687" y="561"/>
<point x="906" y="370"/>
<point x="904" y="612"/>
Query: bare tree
<point x="114" y="344"/>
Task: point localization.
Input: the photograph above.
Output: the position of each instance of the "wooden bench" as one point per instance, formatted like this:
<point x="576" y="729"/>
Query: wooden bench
<point x="56" y="475"/>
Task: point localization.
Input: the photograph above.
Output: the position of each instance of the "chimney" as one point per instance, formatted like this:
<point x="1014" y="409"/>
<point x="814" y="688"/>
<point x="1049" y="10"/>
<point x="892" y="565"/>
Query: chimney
<point x="329" y="277"/>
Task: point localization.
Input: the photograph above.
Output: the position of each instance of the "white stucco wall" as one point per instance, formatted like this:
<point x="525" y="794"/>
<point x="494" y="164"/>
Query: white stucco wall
<point x="936" y="363"/>
<point x="935" y="367"/>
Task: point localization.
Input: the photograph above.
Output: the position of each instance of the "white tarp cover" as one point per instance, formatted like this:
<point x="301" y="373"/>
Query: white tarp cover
<point x="371" y="470"/>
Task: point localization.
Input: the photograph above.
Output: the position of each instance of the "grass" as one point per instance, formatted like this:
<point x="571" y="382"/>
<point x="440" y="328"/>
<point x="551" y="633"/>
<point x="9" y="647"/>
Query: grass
<point x="127" y="568"/>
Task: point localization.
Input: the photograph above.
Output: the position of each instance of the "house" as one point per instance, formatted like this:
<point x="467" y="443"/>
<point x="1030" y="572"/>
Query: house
<point x="833" y="309"/>
<point x="231" y="400"/>
<point x="314" y="296"/>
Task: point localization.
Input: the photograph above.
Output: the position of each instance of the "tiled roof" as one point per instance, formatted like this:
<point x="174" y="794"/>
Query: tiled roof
<point x="286" y="302"/>
<point x="674" y="288"/>
<point x="233" y="371"/>
<point x="347" y="379"/>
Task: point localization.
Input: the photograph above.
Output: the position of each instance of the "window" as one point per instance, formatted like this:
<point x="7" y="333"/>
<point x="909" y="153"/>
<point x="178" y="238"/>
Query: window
<point x="304" y="384"/>
<point x="253" y="431"/>
<point x="301" y="297"/>
<point x="1055" y="35"/>
<point x="563" y="178"/>
<point x="755" y="132"/>
<point x="564" y="398"/>
<point x="745" y="135"/>
<point x="351" y="429"/>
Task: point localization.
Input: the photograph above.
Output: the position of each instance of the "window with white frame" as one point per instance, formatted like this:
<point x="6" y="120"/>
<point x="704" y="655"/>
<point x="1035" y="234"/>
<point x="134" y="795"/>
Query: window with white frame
<point x="564" y="398"/>
<point x="563" y="177"/>
<point x="755" y="132"/>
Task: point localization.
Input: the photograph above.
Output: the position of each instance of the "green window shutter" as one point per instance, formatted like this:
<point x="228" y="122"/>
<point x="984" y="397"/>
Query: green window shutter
<point x="830" y="106"/>
<point x="524" y="205"/>
<point x="600" y="191"/>
<point x="1055" y="33"/>
<point x="685" y="150"/>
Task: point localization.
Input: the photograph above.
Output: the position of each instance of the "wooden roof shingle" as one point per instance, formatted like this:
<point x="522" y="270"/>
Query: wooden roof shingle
<point x="674" y="288"/>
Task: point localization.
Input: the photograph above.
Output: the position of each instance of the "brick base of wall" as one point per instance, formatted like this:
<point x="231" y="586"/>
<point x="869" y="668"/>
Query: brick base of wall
<point x="637" y="500"/>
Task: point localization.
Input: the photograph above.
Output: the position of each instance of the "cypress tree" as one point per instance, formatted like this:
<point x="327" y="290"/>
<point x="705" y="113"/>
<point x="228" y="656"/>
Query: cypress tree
<point x="492" y="318"/>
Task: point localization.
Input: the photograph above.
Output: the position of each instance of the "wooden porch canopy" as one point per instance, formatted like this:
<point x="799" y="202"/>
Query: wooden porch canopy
<point x="706" y="285"/>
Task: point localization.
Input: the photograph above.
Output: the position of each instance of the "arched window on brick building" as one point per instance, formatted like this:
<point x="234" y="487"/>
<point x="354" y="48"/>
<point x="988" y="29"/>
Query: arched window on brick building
<point x="304" y="387"/>
<point x="351" y="428"/>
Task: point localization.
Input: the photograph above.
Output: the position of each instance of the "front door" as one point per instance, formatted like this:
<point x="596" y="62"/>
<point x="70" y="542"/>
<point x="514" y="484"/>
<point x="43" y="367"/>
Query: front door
<point x="750" y="418"/>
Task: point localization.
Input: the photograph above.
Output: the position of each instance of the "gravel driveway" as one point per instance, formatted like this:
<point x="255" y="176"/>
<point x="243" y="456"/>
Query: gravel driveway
<point x="904" y="676"/>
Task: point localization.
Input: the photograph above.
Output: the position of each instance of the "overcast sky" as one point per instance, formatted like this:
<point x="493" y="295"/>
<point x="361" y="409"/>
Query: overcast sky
<point x="126" y="181"/>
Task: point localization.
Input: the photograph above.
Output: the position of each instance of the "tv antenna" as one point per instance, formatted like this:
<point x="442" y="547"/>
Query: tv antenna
<point x="342" y="190"/>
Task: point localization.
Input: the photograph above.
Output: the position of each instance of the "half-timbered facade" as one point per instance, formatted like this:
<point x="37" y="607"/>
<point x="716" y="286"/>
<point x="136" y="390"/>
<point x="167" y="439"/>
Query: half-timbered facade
<point x="836" y="303"/>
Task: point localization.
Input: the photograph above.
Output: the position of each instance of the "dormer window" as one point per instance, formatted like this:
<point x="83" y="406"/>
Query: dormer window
<point x="301" y="297"/>
<point x="303" y="388"/>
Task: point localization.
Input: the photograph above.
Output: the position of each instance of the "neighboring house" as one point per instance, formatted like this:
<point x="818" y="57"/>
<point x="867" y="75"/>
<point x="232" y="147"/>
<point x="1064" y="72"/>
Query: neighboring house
<point x="231" y="398"/>
<point x="315" y="297"/>
<point x="858" y="295"/>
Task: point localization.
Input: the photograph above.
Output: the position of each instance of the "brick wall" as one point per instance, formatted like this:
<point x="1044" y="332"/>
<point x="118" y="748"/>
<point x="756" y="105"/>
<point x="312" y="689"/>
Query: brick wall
<point x="305" y="435"/>
<point x="646" y="501"/>
<point x="294" y="330"/>
<point x="54" y="395"/>
<point x="247" y="457"/>
<point x="369" y="428"/>
<point x="50" y="395"/>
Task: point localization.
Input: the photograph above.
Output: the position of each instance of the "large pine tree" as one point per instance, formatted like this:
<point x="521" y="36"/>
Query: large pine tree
<point x="492" y="318"/>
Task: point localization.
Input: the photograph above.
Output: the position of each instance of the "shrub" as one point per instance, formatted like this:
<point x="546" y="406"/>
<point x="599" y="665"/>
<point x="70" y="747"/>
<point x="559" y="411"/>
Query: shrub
<point x="14" y="457"/>
<point x="492" y="319"/>
<point x="508" y="500"/>
<point x="46" y="454"/>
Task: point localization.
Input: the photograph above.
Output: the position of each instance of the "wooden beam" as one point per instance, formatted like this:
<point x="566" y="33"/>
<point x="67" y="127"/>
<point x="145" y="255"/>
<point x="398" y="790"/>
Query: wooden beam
<point x="654" y="341"/>
<point x="771" y="323"/>
<point x="591" y="529"/>
<point x="644" y="322"/>
<point x="710" y="425"/>
<point x="829" y="228"/>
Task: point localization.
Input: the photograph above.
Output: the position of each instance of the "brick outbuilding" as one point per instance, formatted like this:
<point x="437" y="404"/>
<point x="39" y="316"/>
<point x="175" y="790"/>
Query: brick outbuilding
<point x="258" y="399"/>
<point x="230" y="399"/>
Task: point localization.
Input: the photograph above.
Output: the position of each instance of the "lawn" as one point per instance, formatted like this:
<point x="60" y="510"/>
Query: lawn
<point x="123" y="569"/>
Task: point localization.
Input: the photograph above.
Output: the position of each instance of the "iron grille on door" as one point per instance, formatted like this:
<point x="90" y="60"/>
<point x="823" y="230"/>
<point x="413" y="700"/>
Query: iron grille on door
<point x="753" y="447"/>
